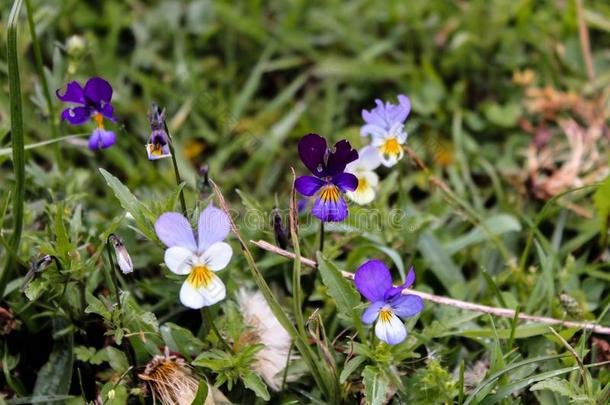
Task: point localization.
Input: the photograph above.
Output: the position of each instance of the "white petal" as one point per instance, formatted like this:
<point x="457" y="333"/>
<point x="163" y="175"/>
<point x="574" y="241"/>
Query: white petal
<point x="217" y="256"/>
<point x="368" y="158"/>
<point x="214" y="292"/>
<point x="125" y="263"/>
<point x="392" y="331"/>
<point x="362" y="195"/>
<point x="391" y="160"/>
<point x="190" y="297"/>
<point x="179" y="260"/>
<point x="371" y="178"/>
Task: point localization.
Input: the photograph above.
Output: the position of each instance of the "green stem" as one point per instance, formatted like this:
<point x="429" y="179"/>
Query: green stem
<point x="206" y="317"/>
<point x="321" y="236"/>
<point x="176" y="171"/>
<point x="45" y="85"/>
<point x="297" y="298"/>
<point x="17" y="142"/>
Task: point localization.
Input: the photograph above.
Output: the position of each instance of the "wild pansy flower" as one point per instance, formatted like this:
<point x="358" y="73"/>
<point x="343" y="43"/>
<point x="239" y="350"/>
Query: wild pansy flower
<point x="385" y="125"/>
<point x="388" y="305"/>
<point x="93" y="103"/>
<point x="363" y="169"/>
<point x="329" y="179"/>
<point x="158" y="143"/>
<point x="197" y="260"/>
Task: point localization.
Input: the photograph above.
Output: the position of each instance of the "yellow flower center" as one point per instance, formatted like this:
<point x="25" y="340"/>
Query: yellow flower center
<point x="99" y="118"/>
<point x="155" y="149"/>
<point x="330" y="193"/>
<point x="362" y="185"/>
<point x="385" y="315"/>
<point x="200" y="276"/>
<point x="391" y="147"/>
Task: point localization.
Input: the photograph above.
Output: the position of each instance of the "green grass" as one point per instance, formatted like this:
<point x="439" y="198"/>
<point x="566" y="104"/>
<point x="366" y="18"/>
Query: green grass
<point x="241" y="83"/>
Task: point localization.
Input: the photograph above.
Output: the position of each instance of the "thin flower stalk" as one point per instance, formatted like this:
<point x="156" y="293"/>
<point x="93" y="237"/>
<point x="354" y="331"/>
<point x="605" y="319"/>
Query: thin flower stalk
<point x="465" y="305"/>
<point x="176" y="170"/>
<point x="296" y="268"/>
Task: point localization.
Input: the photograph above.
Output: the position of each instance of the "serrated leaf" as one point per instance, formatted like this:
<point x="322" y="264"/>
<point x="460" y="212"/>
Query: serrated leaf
<point x="180" y="340"/>
<point x="117" y="359"/>
<point x="141" y="214"/>
<point x="375" y="386"/>
<point x="255" y="383"/>
<point x="339" y="288"/>
<point x="96" y="306"/>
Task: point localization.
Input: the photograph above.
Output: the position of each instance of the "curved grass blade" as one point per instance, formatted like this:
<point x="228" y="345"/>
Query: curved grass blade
<point x="7" y="151"/>
<point x="17" y="143"/>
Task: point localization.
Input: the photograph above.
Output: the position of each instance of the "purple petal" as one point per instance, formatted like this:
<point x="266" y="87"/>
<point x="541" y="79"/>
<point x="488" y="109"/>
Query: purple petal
<point x="370" y="314"/>
<point x="76" y="115"/>
<point x="376" y="116"/>
<point x="213" y="226"/>
<point x="101" y="139"/>
<point x="98" y="90"/>
<point x="107" y="111"/>
<point x="395" y="291"/>
<point x="407" y="305"/>
<point x="373" y="279"/>
<point x="330" y="211"/>
<point x="308" y="185"/>
<point x="173" y="229"/>
<point x="346" y="181"/>
<point x="74" y="94"/>
<point x="342" y="154"/>
<point x="312" y="149"/>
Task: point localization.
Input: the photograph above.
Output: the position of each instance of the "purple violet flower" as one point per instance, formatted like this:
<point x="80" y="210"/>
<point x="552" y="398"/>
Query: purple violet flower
<point x="388" y="304"/>
<point x="199" y="260"/>
<point x="329" y="179"/>
<point x="385" y="125"/>
<point x="93" y="103"/>
<point x="158" y="143"/>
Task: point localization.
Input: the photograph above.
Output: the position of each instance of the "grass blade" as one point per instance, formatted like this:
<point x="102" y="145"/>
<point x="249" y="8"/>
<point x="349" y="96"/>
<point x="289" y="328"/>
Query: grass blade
<point x="17" y="142"/>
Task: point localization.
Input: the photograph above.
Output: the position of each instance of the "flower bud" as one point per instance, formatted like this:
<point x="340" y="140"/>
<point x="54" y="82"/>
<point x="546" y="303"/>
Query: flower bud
<point x="122" y="256"/>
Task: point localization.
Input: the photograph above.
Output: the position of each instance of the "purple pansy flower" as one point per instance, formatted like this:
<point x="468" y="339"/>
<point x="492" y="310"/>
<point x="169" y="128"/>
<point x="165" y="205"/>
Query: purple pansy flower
<point x="329" y="179"/>
<point x="388" y="304"/>
<point x="93" y="103"/>
<point x="385" y="125"/>
<point x="199" y="260"/>
<point x="158" y="143"/>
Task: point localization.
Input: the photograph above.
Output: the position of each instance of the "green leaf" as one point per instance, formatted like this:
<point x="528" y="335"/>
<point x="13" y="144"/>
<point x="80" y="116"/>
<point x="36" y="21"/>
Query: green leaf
<point x="601" y="199"/>
<point x="256" y="384"/>
<point x="375" y="386"/>
<point x="117" y="359"/>
<point x="7" y="151"/>
<point x="55" y="376"/>
<point x="339" y="288"/>
<point x="498" y="224"/>
<point x="350" y="367"/>
<point x="96" y="306"/>
<point x="141" y="214"/>
<point x="181" y="340"/>
<point x="202" y="393"/>
<point x="557" y="385"/>
<point x="441" y="264"/>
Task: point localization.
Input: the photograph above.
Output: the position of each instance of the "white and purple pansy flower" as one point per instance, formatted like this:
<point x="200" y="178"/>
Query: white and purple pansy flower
<point x="388" y="304"/>
<point x="329" y="178"/>
<point x="93" y="102"/>
<point x="198" y="260"/>
<point x="385" y="125"/>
